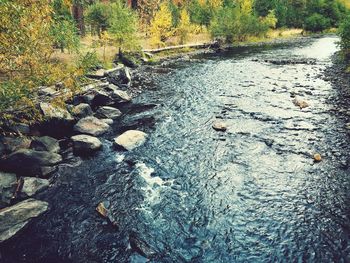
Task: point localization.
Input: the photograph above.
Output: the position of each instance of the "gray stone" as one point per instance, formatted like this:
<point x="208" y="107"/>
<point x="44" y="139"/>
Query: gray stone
<point x="118" y="95"/>
<point x="12" y="144"/>
<point x="92" y="126"/>
<point x="15" y="218"/>
<point x="54" y="112"/>
<point x="108" y="121"/>
<point x="47" y="91"/>
<point x="32" y="185"/>
<point x="29" y="162"/>
<point x="98" y="74"/>
<point x="119" y="76"/>
<point x="8" y="185"/>
<point x="219" y="126"/>
<point x="101" y="98"/>
<point x="82" y="110"/>
<point x="130" y="140"/>
<point x="108" y="112"/>
<point x="45" y="143"/>
<point x="86" y="143"/>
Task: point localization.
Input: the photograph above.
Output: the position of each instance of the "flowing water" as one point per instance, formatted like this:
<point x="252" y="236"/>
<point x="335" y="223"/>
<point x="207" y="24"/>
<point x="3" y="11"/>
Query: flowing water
<point x="192" y="194"/>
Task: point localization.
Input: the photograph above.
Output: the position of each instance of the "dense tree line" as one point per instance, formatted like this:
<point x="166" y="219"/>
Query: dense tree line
<point x="31" y="30"/>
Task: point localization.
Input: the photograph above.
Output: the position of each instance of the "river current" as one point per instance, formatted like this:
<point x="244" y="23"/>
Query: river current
<point x="193" y="194"/>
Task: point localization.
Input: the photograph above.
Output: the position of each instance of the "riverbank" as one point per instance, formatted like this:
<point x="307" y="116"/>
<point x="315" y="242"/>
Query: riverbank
<point x="104" y="180"/>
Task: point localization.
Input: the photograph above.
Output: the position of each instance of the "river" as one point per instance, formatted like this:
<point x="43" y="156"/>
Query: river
<point x="192" y="194"/>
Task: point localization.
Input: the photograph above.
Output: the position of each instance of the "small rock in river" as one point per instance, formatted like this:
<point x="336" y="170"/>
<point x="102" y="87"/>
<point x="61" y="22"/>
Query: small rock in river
<point x="102" y="210"/>
<point x="130" y="140"/>
<point x="317" y="157"/>
<point x="219" y="126"/>
<point x="86" y="143"/>
<point x="300" y="103"/>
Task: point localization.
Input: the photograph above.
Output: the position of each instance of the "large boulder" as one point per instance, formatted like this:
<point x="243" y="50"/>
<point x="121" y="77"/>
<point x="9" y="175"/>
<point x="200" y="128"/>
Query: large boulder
<point x="118" y="95"/>
<point x="15" y="218"/>
<point x="84" y="144"/>
<point x="119" y="76"/>
<point x="30" y="162"/>
<point x="8" y="185"/>
<point x="81" y="111"/>
<point x="45" y="143"/>
<point x="53" y="112"/>
<point x="101" y="98"/>
<point x="130" y="140"/>
<point x="32" y="185"/>
<point x="92" y="126"/>
<point x="108" y="113"/>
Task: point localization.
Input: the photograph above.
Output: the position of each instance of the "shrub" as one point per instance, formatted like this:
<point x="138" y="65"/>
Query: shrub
<point x="97" y="16"/>
<point x="123" y="26"/>
<point x="233" y="25"/>
<point x="184" y="26"/>
<point x="316" y="23"/>
<point x="161" y="25"/>
<point x="344" y="32"/>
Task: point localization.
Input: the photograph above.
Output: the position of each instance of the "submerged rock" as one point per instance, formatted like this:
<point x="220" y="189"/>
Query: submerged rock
<point x="14" y="218"/>
<point x="108" y="112"/>
<point x="92" y="126"/>
<point x="45" y="143"/>
<point x="317" y="157"/>
<point x="30" y="162"/>
<point x="8" y="185"/>
<point x="219" y="126"/>
<point x="300" y="103"/>
<point x="32" y="185"/>
<point x="130" y="140"/>
<point x="86" y="144"/>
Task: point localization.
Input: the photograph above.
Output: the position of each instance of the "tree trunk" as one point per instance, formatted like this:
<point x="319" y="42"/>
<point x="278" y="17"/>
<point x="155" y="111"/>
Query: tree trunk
<point x="78" y="15"/>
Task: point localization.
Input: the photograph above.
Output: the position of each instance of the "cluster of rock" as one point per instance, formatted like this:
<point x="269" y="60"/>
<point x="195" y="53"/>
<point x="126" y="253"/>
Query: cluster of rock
<point x="28" y="159"/>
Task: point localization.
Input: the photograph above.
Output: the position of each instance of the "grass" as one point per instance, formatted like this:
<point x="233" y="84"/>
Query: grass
<point x="106" y="54"/>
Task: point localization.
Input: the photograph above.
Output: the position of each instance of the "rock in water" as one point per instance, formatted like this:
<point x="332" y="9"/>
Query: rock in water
<point x="8" y="185"/>
<point x="14" y="218"/>
<point x="45" y="143"/>
<point x="317" y="157"/>
<point x="32" y="185"/>
<point x="130" y="140"/>
<point x="108" y="112"/>
<point x="300" y="103"/>
<point x="92" y="126"/>
<point x="219" y="126"/>
<point x="29" y="162"/>
<point x="86" y="144"/>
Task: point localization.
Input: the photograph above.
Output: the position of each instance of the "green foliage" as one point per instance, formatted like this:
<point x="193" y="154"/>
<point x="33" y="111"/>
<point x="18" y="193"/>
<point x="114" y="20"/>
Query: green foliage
<point x="63" y="29"/>
<point x="235" y="25"/>
<point x="270" y="20"/>
<point x="316" y="23"/>
<point x="98" y="16"/>
<point x="123" y="26"/>
<point x="344" y="32"/>
<point x="200" y="14"/>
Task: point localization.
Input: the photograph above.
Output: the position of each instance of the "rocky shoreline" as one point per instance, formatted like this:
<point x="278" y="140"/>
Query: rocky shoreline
<point x="31" y="154"/>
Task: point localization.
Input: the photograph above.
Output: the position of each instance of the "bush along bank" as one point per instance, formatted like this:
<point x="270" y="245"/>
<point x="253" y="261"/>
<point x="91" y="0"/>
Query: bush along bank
<point x="31" y="154"/>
